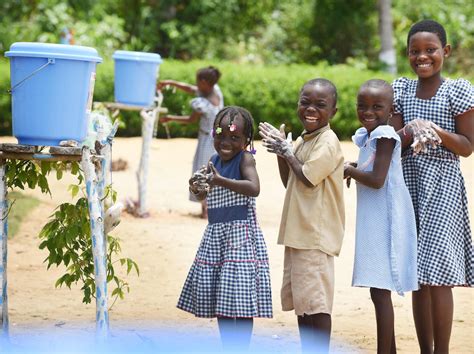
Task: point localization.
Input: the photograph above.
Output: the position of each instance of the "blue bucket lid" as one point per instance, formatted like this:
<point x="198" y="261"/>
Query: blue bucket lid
<point x="137" y="56"/>
<point x="57" y="51"/>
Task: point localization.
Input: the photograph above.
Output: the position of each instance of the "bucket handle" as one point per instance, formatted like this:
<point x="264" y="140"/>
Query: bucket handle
<point x="50" y="61"/>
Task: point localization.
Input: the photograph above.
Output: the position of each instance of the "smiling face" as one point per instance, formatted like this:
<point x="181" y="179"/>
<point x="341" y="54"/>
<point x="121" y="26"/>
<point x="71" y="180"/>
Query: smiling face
<point x="426" y="54"/>
<point x="230" y="139"/>
<point x="374" y="106"/>
<point x="316" y="106"/>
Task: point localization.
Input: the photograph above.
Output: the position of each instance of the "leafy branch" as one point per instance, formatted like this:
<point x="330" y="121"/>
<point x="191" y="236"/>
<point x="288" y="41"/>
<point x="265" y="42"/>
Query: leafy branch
<point x="67" y="236"/>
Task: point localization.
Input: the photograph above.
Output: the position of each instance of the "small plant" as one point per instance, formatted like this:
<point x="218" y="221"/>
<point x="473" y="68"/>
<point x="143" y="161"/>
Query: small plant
<point x="67" y="236"/>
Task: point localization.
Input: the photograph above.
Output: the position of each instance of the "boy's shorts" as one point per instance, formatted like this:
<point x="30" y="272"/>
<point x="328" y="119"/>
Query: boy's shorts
<point x="308" y="282"/>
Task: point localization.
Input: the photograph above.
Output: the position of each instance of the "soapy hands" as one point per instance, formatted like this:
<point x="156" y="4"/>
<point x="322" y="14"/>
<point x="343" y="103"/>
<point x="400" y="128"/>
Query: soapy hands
<point x="275" y="141"/>
<point x="424" y="135"/>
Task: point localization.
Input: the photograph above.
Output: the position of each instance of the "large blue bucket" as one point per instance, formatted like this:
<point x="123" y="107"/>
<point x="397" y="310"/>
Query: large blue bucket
<point x="52" y="87"/>
<point x="135" y="77"/>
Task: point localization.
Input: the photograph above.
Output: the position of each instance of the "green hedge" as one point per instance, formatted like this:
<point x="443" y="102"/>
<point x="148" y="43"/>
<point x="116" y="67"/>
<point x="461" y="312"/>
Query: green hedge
<point x="270" y="93"/>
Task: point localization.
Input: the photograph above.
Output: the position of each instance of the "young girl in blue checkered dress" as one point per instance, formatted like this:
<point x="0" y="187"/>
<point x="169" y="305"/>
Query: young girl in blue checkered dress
<point x="229" y="278"/>
<point x="433" y="177"/>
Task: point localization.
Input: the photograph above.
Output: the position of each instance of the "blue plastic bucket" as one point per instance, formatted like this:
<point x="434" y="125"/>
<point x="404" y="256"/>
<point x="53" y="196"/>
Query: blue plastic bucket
<point x="135" y="77"/>
<point x="52" y="87"/>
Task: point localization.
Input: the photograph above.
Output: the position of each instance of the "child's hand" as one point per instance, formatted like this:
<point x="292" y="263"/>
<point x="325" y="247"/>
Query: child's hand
<point x="199" y="181"/>
<point x="424" y="134"/>
<point x="266" y="130"/>
<point x="214" y="177"/>
<point x="275" y="140"/>
<point x="347" y="166"/>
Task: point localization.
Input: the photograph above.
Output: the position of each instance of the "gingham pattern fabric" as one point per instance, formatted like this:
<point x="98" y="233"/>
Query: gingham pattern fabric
<point x="385" y="249"/>
<point x="205" y="148"/>
<point x="230" y="275"/>
<point x="436" y="185"/>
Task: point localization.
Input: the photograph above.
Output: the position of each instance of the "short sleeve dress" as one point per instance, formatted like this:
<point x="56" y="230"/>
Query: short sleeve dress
<point x="205" y="148"/>
<point x="230" y="275"/>
<point x="385" y="250"/>
<point x="436" y="185"/>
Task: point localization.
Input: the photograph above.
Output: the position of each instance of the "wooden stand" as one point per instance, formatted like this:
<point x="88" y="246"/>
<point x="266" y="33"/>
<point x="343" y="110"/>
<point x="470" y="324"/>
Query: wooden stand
<point x="92" y="165"/>
<point x="150" y="117"/>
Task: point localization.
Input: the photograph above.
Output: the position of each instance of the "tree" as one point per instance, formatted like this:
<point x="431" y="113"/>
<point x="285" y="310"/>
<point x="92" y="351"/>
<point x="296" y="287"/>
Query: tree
<point x="387" y="52"/>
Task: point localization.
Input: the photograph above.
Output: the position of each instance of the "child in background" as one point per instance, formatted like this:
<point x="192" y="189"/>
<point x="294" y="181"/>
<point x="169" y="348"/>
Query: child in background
<point x="205" y="108"/>
<point x="230" y="277"/>
<point x="312" y="222"/>
<point x="434" y="180"/>
<point x="385" y="250"/>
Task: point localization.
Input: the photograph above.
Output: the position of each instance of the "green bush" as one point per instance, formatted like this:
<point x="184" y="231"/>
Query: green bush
<point x="270" y="93"/>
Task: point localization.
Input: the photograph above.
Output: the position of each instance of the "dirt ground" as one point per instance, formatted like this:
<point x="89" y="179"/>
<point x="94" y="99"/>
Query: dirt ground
<point x="164" y="246"/>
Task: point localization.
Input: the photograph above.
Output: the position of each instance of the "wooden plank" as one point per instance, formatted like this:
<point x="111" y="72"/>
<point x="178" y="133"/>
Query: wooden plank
<point x="7" y="147"/>
<point x="38" y="156"/>
<point x="129" y="107"/>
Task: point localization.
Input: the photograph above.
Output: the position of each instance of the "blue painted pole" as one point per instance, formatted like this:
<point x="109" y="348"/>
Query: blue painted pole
<point x="99" y="247"/>
<point x="3" y="250"/>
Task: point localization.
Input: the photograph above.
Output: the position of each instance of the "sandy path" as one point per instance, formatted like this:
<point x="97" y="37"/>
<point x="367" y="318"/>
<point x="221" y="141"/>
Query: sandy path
<point x="164" y="246"/>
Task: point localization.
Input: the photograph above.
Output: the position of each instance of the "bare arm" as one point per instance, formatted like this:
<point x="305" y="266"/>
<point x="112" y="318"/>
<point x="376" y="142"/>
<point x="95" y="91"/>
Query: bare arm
<point x="249" y="184"/>
<point x="194" y="117"/>
<point x="376" y="177"/>
<point x="188" y="88"/>
<point x="405" y="135"/>
<point x="284" y="170"/>
<point x="462" y="141"/>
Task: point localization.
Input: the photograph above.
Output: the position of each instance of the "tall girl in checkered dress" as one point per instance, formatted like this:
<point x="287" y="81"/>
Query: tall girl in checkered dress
<point x="229" y="278"/>
<point x="205" y="106"/>
<point x="433" y="177"/>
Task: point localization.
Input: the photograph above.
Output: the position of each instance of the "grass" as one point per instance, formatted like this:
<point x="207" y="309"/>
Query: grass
<point x="22" y="207"/>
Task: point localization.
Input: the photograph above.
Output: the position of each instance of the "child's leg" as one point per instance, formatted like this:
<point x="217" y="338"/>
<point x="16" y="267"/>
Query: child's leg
<point x="235" y="332"/>
<point x="421" y="304"/>
<point x="385" y="320"/>
<point x="315" y="332"/>
<point x="442" y="314"/>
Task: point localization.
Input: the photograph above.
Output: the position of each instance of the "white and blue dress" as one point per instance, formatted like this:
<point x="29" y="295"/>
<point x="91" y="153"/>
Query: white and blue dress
<point x="385" y="249"/>
<point x="230" y="275"/>
<point x="205" y="147"/>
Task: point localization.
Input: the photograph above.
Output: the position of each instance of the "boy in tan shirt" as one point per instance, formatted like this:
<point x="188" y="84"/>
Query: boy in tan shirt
<point x="312" y="222"/>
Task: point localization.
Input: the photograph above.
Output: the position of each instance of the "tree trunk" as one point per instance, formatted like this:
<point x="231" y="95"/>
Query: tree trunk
<point x="387" y="52"/>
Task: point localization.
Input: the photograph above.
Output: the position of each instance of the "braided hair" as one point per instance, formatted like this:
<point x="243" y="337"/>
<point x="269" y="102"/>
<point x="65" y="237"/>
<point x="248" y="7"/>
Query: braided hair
<point x="232" y="112"/>
<point x="428" y="26"/>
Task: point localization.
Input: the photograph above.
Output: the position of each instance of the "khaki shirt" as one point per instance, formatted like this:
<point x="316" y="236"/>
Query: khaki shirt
<point x="313" y="217"/>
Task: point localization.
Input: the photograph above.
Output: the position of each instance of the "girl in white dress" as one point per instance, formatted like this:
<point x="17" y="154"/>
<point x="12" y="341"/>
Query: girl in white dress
<point x="385" y="252"/>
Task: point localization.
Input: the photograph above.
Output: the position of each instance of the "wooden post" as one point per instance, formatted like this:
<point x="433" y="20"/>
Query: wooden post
<point x="149" y="117"/>
<point x="3" y="250"/>
<point x="148" y="124"/>
<point x="99" y="249"/>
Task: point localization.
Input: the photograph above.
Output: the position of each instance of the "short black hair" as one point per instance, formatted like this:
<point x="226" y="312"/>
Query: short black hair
<point x="378" y="83"/>
<point x="321" y="82"/>
<point x="209" y="74"/>
<point x="232" y="112"/>
<point x="428" y="26"/>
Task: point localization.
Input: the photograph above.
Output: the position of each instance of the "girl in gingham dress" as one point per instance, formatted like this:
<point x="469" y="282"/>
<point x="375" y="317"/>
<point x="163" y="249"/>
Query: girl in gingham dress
<point x="433" y="177"/>
<point x="229" y="278"/>
<point x="205" y="106"/>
